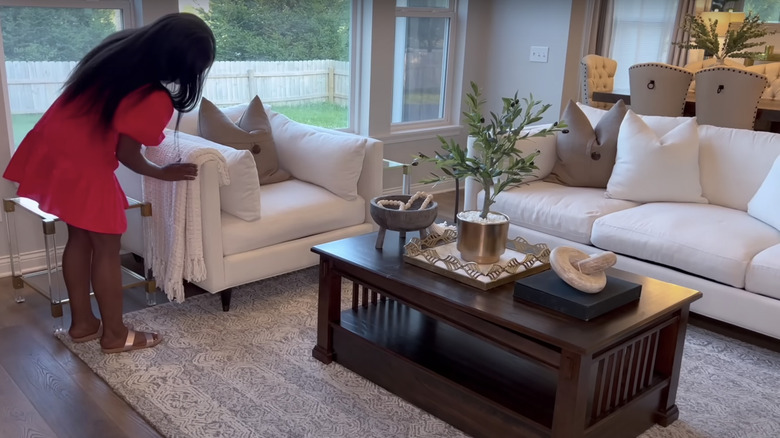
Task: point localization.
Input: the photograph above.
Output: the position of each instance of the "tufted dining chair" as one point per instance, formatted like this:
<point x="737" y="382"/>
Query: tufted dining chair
<point x="658" y="89"/>
<point x="728" y="96"/>
<point x="772" y="72"/>
<point x="598" y="74"/>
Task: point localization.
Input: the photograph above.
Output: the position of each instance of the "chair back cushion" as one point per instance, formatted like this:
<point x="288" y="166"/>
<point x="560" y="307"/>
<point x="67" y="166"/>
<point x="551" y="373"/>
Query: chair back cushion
<point x="734" y="162"/>
<point x="728" y="97"/>
<point x="658" y="89"/>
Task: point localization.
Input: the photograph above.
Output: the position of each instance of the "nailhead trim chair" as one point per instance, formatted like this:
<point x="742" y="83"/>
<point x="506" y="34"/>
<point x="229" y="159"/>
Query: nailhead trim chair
<point x="658" y="89"/>
<point x="728" y="97"/>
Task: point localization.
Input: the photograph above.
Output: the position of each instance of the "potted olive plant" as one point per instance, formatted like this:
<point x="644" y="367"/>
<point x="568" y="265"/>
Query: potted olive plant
<point x="736" y="41"/>
<point x="495" y="162"/>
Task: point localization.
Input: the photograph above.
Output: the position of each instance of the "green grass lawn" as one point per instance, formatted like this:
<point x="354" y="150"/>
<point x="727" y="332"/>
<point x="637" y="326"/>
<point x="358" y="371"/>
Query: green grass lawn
<point x="324" y="114"/>
<point x="22" y="124"/>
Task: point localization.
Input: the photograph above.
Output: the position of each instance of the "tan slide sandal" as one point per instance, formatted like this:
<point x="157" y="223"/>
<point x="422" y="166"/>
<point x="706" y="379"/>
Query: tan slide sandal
<point x="152" y="339"/>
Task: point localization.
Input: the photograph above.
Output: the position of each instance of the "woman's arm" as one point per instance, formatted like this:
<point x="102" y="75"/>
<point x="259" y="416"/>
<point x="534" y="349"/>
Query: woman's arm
<point x="128" y="152"/>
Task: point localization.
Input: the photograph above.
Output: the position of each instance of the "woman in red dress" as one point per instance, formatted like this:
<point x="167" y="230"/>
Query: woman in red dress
<point x="120" y="95"/>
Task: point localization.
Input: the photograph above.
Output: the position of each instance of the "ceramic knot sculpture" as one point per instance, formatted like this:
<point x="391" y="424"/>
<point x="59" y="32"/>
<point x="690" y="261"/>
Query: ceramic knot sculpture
<point x="581" y="271"/>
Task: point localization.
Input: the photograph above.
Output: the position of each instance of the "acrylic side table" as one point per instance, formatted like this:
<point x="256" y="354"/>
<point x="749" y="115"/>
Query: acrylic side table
<point x="49" y="280"/>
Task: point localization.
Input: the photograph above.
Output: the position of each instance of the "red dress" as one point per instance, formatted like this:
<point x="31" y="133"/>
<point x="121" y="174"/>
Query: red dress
<point x="67" y="164"/>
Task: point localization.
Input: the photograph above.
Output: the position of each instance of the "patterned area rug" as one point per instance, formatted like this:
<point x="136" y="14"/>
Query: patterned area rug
<point x="249" y="373"/>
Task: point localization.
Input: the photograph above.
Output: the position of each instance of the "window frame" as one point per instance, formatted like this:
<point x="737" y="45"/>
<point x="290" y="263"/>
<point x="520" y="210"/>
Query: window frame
<point x="449" y="67"/>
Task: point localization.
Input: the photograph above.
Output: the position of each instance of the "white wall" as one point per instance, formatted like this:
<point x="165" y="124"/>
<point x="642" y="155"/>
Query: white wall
<point x="514" y="26"/>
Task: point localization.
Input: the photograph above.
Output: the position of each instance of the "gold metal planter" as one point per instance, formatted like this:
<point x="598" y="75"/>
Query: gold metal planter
<point x="482" y="242"/>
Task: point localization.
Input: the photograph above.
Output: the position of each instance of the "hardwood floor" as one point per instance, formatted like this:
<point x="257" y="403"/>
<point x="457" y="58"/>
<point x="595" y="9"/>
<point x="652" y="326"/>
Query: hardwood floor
<point x="46" y="391"/>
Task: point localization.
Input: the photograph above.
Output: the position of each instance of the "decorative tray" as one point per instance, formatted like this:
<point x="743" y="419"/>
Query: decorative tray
<point x="438" y="253"/>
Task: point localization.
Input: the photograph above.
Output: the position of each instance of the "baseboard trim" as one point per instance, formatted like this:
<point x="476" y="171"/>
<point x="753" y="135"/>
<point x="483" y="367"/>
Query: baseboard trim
<point x="30" y="262"/>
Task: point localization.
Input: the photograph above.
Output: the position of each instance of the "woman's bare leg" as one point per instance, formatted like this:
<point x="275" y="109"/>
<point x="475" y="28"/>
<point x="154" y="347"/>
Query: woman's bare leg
<point x="107" y="284"/>
<point x="76" y="266"/>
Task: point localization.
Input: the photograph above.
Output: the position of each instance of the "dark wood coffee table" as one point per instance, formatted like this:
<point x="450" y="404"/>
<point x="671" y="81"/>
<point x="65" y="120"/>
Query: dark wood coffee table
<point x="495" y="367"/>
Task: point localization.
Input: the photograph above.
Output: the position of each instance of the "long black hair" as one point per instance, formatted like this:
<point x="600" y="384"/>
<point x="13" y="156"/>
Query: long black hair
<point x="174" y="51"/>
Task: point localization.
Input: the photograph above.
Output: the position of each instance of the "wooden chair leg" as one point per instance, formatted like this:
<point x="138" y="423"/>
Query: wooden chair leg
<point x="225" y="296"/>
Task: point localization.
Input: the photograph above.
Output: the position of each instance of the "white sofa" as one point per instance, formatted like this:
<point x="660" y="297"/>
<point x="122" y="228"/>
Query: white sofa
<point x="715" y="247"/>
<point x="294" y="215"/>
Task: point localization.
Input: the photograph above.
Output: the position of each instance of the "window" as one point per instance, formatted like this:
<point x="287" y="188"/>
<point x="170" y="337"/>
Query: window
<point x="295" y="57"/>
<point x="768" y="10"/>
<point x="642" y="32"/>
<point x="37" y="62"/>
<point x="422" y="70"/>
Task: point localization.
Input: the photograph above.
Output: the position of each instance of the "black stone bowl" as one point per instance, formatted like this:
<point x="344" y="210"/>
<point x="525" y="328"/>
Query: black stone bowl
<point x="413" y="219"/>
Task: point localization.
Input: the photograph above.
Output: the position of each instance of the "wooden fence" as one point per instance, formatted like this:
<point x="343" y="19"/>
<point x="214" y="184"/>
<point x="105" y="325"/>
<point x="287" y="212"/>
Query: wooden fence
<point x="33" y="86"/>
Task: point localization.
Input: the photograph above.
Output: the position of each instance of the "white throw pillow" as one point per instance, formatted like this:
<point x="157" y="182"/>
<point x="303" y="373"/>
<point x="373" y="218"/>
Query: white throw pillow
<point x="652" y="169"/>
<point x="765" y="204"/>
<point x="332" y="160"/>
<point x="241" y="197"/>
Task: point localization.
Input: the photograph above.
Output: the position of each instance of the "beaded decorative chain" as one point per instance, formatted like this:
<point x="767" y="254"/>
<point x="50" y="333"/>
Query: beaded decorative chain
<point x="400" y="205"/>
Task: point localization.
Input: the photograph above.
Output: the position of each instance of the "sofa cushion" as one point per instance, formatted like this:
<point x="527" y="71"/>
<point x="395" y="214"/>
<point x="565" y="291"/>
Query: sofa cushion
<point x="556" y="209"/>
<point x="652" y="168"/>
<point x="586" y="154"/>
<point x="291" y="209"/>
<point x="318" y="156"/>
<point x="241" y="197"/>
<point x="706" y="240"/>
<point x="252" y="132"/>
<point x="765" y="204"/>
<point x="734" y="163"/>
<point x="763" y="273"/>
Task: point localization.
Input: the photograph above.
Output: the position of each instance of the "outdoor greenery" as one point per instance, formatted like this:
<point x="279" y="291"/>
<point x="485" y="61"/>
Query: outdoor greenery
<point x="324" y="114"/>
<point x="53" y="34"/>
<point x="246" y="30"/>
<point x="497" y="164"/>
<point x="280" y="30"/>
<point x="703" y="36"/>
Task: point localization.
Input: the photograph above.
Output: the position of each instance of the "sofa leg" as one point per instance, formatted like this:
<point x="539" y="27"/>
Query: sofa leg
<point x="225" y="297"/>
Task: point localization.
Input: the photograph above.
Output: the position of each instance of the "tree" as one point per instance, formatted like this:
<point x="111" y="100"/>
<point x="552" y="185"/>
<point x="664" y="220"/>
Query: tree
<point x="53" y="34"/>
<point x="279" y="30"/>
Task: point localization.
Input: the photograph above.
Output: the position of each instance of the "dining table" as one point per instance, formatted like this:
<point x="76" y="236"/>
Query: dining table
<point x="767" y="116"/>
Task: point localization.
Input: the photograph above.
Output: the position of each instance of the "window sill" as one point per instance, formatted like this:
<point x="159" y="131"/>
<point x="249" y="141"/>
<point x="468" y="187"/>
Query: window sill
<point x="422" y="134"/>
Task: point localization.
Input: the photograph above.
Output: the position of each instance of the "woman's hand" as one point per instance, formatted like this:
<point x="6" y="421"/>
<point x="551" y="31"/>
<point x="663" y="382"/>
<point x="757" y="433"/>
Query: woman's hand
<point x="178" y="172"/>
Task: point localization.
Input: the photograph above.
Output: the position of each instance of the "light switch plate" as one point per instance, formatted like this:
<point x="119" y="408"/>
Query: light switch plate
<point x="539" y="53"/>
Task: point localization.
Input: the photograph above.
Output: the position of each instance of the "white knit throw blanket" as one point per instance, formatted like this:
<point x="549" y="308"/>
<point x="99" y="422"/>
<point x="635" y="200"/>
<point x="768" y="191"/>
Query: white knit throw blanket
<point x="175" y="246"/>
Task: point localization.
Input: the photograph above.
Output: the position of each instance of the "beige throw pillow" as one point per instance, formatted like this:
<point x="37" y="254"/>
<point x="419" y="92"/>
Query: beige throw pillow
<point x="586" y="154"/>
<point x="252" y="132"/>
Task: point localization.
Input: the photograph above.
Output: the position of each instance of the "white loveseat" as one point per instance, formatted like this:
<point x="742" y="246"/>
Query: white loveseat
<point x="714" y="247"/>
<point x="294" y="214"/>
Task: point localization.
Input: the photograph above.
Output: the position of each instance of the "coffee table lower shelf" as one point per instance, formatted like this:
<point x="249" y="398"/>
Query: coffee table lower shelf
<point x="476" y="386"/>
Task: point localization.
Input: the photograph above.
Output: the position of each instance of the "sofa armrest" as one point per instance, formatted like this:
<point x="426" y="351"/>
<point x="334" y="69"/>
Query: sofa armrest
<point x="211" y="227"/>
<point x="370" y="184"/>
